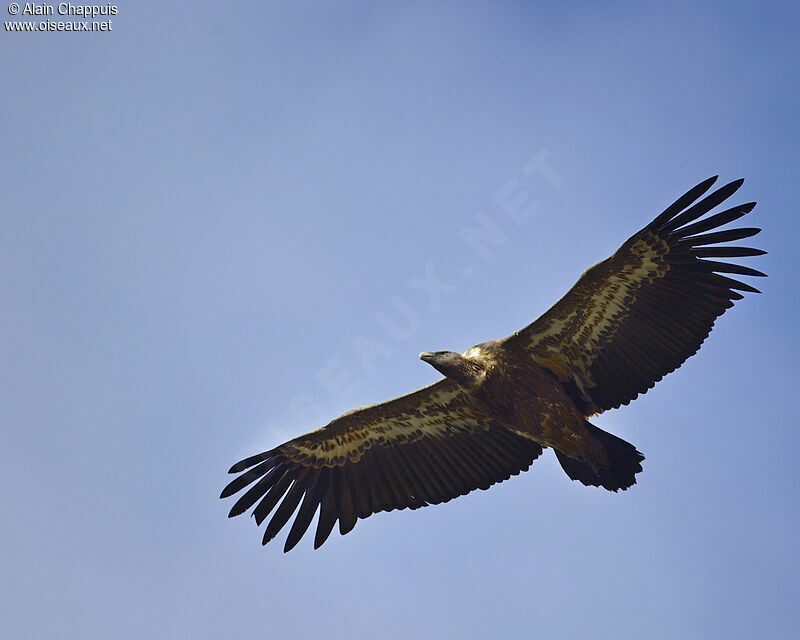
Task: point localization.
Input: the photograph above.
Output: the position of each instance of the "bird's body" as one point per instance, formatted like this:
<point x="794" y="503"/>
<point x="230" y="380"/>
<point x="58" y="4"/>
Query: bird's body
<point x="528" y="399"/>
<point x="626" y="323"/>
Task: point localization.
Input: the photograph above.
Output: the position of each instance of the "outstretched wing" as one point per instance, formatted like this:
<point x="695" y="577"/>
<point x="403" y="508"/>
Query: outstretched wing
<point x="636" y="316"/>
<point x="423" y="448"/>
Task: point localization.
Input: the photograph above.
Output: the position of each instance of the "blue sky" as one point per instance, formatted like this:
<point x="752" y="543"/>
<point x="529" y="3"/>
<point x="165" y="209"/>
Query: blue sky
<point x="207" y="214"/>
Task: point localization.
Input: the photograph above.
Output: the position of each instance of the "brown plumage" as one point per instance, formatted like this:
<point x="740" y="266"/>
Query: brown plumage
<point x="626" y="323"/>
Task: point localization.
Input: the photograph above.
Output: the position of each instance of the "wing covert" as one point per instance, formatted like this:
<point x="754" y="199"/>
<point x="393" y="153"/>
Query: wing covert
<point x="638" y="315"/>
<point x="423" y="448"/>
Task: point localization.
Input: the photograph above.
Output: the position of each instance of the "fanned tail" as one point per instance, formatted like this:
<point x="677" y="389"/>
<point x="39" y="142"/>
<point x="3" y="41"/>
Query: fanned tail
<point x="624" y="462"/>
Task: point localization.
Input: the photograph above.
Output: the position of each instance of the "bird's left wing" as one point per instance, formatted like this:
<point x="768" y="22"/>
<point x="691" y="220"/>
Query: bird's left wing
<point x="636" y="316"/>
<point x="423" y="448"/>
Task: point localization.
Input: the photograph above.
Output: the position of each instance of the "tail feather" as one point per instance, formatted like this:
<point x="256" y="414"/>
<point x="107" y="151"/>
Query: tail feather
<point x="624" y="462"/>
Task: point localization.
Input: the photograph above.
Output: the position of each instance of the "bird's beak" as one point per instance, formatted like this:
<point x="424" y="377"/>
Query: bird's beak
<point x="427" y="356"/>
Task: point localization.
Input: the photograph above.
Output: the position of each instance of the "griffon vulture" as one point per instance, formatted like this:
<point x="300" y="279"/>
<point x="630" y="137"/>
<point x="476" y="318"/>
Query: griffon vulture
<point x="628" y="321"/>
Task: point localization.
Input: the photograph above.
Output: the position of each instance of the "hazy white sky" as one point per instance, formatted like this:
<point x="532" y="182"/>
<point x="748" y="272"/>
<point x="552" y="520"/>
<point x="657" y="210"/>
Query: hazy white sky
<point x="207" y="213"/>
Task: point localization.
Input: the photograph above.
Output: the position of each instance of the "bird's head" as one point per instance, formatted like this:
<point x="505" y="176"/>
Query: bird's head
<point x="465" y="372"/>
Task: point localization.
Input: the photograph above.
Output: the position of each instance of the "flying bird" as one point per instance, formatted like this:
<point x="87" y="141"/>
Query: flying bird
<point x="626" y="323"/>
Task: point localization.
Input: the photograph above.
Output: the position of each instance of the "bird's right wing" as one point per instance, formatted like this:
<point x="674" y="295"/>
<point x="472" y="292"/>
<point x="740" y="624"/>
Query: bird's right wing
<point x="635" y="317"/>
<point x="423" y="448"/>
